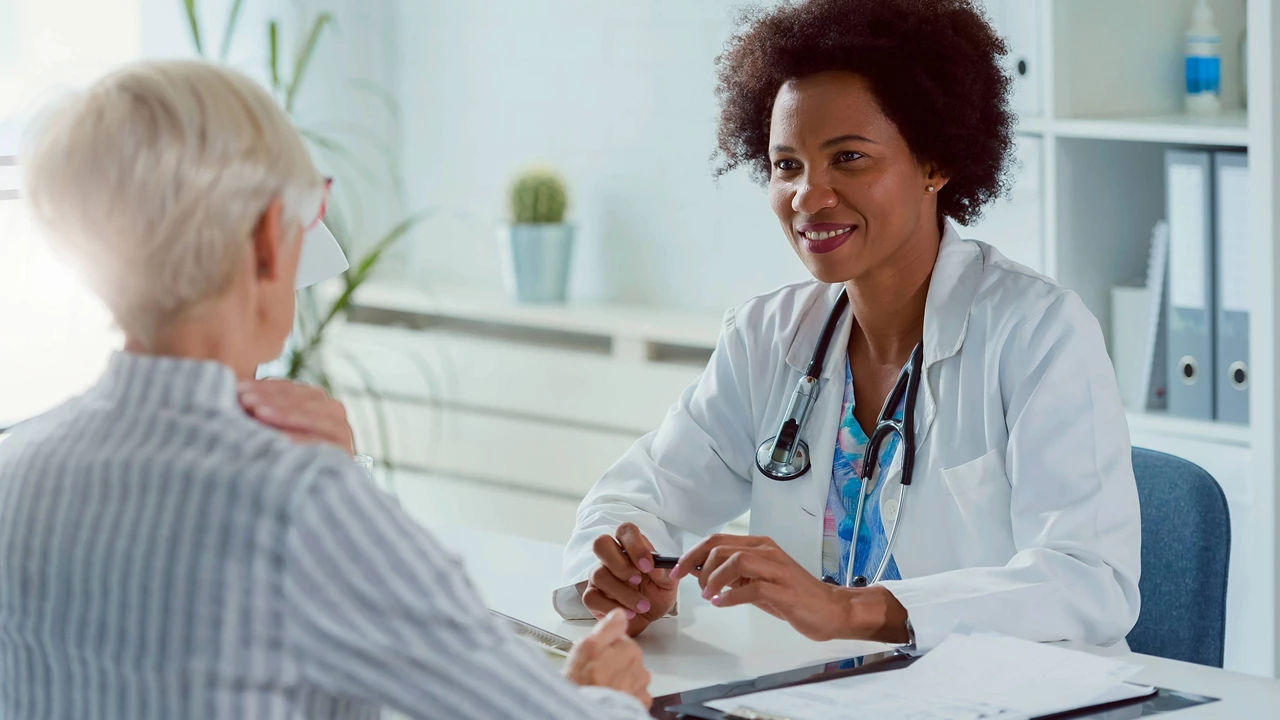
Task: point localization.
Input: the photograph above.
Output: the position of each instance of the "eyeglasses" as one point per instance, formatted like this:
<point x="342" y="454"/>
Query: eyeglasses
<point x="324" y="201"/>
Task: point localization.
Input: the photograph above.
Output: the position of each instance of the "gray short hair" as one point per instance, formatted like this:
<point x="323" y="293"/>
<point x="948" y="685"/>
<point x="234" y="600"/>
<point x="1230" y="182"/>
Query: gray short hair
<point x="152" y="181"/>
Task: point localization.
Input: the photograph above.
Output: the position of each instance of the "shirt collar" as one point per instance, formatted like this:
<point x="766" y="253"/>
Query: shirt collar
<point x="957" y="273"/>
<point x="167" y="381"/>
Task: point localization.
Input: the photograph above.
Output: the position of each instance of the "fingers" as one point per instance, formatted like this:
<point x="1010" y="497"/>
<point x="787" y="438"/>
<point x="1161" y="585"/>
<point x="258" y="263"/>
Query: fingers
<point x="744" y="594"/>
<point x="661" y="578"/>
<point x="697" y="556"/>
<point x="307" y="428"/>
<point x="620" y="665"/>
<point x="278" y="394"/>
<point x="729" y="566"/>
<point x="626" y="594"/>
<point x="306" y="413"/>
<point x="612" y="627"/>
<point x="611" y="557"/>
<point x="326" y="417"/>
<point x="639" y="677"/>
<point x="305" y="438"/>
<point x="637" y="546"/>
<point x="599" y="604"/>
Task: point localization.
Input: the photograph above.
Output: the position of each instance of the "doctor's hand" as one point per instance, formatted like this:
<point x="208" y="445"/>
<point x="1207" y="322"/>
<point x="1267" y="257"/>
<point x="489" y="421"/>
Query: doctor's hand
<point x="628" y="580"/>
<point x="744" y="569"/>
<point x="609" y="658"/>
<point x="305" y="413"/>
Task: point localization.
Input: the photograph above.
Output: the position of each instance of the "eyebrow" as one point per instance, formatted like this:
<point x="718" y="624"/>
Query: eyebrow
<point x="829" y="143"/>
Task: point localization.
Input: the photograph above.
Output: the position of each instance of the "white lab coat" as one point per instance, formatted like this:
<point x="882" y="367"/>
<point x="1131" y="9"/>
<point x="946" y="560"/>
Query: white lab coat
<point x="1022" y="517"/>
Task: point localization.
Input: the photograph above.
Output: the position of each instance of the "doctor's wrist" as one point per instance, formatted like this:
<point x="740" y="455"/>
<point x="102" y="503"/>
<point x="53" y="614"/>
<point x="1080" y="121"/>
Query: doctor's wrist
<point x="873" y="613"/>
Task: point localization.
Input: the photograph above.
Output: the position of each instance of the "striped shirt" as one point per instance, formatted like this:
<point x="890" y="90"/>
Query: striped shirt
<point x="162" y="555"/>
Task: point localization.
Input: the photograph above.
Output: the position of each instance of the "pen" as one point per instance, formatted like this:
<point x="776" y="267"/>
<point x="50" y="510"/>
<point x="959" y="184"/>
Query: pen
<point x="664" y="562"/>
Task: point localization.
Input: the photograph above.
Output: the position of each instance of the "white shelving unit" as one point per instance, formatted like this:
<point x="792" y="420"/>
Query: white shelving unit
<point x="632" y="332"/>
<point x="1109" y="106"/>
<point x="1230" y="129"/>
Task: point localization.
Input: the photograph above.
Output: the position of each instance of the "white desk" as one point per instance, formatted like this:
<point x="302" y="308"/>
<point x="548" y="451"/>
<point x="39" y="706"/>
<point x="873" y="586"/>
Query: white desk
<point x="707" y="645"/>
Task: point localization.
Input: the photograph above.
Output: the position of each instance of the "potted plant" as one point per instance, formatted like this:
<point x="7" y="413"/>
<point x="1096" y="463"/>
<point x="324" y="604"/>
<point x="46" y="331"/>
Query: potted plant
<point x="536" y="246"/>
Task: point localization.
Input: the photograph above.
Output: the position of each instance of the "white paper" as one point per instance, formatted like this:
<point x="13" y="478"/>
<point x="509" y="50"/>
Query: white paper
<point x="966" y="677"/>
<point x="1157" y="262"/>
<point x="1186" y="237"/>
<point x="1233" y="237"/>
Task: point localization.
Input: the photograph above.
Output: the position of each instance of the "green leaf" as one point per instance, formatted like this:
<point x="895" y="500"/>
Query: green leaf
<point x="273" y="41"/>
<point x="194" y="21"/>
<point x="230" y="30"/>
<point x="303" y="59"/>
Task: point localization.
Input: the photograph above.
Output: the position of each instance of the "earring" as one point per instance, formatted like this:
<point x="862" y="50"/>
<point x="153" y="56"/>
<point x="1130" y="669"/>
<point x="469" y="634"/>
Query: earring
<point x="930" y="188"/>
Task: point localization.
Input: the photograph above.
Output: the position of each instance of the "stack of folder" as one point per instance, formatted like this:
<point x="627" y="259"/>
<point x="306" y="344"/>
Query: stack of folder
<point x="1208" y="293"/>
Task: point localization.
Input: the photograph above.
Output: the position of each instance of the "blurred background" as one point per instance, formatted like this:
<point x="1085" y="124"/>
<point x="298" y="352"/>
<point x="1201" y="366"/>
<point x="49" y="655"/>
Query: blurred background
<point x="542" y="254"/>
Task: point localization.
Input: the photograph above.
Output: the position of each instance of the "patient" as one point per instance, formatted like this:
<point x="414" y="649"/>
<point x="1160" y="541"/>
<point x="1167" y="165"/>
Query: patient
<point x="162" y="553"/>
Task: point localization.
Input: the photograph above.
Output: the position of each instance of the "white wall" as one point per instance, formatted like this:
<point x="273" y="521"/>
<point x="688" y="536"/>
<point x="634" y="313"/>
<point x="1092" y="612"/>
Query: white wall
<point x="619" y="97"/>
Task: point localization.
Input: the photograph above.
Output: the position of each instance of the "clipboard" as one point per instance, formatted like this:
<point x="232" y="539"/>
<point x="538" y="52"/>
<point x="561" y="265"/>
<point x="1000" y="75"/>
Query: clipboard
<point x="690" y="703"/>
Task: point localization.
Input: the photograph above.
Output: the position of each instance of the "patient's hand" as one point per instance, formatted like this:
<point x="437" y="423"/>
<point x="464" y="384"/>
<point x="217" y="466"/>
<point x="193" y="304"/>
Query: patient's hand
<point x="608" y="657"/>
<point x="303" y="412"/>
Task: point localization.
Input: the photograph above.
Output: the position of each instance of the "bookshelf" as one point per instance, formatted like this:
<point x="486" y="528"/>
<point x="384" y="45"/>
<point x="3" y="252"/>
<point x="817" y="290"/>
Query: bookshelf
<point x="1092" y="148"/>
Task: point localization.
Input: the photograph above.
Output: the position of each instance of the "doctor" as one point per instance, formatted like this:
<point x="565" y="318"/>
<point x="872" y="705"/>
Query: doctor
<point x="1006" y="501"/>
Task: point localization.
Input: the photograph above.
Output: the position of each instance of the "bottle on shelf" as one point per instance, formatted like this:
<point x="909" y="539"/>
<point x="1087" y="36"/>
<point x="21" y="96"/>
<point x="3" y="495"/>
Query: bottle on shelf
<point x="1203" y="65"/>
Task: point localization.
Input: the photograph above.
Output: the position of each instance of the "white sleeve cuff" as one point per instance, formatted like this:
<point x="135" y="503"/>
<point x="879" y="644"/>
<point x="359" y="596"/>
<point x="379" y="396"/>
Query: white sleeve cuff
<point x="567" y="601"/>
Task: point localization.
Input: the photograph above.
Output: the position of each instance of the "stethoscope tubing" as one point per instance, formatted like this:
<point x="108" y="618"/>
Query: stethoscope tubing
<point x="886" y="425"/>
<point x="908" y="383"/>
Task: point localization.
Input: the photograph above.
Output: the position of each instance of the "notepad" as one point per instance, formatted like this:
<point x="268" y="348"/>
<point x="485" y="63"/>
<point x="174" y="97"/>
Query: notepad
<point x="967" y="677"/>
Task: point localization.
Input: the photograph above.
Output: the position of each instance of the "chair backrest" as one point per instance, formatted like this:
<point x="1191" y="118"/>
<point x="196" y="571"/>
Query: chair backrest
<point x="1186" y="545"/>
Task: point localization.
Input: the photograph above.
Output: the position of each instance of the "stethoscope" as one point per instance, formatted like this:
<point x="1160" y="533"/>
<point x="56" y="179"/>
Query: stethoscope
<point x="786" y="457"/>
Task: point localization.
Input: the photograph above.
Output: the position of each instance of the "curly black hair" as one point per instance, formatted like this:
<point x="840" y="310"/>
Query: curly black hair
<point x="933" y="65"/>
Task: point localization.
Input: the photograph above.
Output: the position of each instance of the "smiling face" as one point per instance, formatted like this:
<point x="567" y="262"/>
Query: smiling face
<point x="850" y="195"/>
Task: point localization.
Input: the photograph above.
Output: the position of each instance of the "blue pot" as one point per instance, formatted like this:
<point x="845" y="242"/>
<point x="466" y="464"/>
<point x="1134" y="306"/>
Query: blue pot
<point x="535" y="261"/>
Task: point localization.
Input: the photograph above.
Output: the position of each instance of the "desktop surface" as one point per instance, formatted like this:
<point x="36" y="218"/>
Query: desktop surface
<point x="705" y="645"/>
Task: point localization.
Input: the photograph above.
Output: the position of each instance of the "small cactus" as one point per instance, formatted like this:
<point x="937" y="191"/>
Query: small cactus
<point x="538" y="196"/>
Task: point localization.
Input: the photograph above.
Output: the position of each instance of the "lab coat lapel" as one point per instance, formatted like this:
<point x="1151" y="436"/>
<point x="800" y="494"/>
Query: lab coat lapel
<point x="957" y="274"/>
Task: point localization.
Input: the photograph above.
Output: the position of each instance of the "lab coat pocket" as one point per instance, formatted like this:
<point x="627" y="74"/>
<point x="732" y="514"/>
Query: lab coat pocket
<point x="981" y="494"/>
<point x="976" y="475"/>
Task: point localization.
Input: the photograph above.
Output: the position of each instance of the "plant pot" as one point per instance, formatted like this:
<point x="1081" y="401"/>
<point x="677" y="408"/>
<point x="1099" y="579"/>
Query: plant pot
<point x="535" y="261"/>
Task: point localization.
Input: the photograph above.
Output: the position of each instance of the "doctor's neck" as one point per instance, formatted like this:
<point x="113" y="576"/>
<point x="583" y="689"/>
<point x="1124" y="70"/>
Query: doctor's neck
<point x="888" y="303"/>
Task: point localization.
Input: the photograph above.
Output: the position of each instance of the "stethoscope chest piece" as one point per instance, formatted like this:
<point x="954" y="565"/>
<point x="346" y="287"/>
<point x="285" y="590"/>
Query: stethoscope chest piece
<point x="776" y="466"/>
